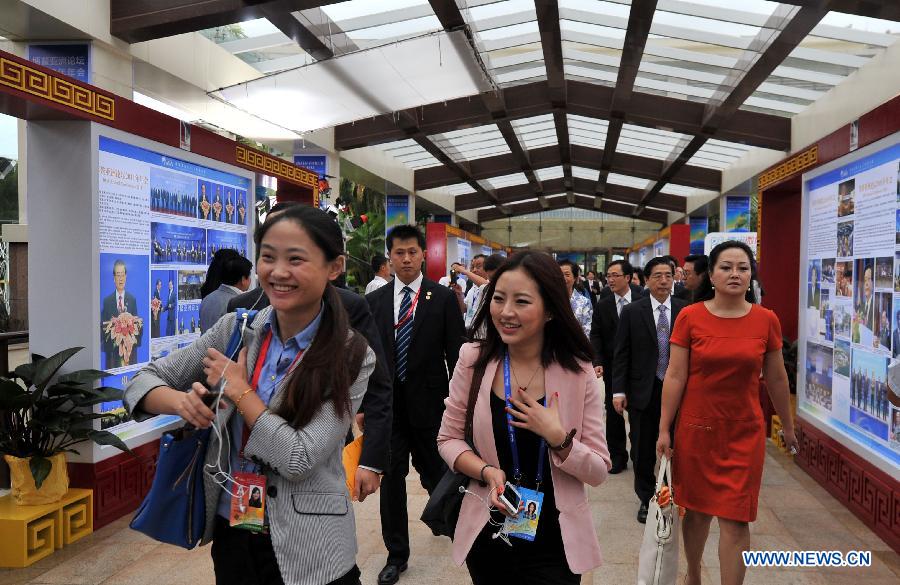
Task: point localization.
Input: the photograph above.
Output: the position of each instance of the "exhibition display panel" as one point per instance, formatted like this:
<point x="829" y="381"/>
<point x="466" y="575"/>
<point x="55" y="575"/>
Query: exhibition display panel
<point x="161" y="221"/>
<point x="130" y="226"/>
<point x="849" y="318"/>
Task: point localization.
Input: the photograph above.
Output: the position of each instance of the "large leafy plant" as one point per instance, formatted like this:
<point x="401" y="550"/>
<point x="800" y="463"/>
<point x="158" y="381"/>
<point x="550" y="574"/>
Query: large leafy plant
<point x="43" y="413"/>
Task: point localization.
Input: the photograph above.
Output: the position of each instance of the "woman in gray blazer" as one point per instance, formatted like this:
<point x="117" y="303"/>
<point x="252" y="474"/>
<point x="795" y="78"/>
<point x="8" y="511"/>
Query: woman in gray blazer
<point x="288" y="403"/>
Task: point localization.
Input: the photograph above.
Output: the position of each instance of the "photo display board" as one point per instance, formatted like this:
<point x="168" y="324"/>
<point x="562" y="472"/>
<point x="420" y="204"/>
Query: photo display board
<point x="161" y="220"/>
<point x="849" y="322"/>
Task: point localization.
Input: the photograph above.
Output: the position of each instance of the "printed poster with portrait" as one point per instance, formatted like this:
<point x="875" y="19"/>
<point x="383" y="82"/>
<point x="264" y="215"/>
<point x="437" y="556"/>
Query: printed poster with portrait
<point x="158" y="216"/>
<point x="850" y="300"/>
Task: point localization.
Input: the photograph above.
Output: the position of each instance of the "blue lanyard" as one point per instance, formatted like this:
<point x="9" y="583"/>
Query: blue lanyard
<point x="511" y="431"/>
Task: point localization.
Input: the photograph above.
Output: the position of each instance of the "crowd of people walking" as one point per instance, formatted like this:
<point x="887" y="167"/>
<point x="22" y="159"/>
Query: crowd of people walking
<point x="526" y="377"/>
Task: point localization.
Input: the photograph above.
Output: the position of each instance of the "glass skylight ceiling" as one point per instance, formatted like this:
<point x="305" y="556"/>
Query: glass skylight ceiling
<point x="693" y="48"/>
<point x="410" y="154"/>
<point x="472" y="143"/>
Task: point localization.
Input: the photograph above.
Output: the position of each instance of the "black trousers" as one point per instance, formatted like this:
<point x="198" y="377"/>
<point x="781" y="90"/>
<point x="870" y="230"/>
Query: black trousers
<point x="615" y="430"/>
<point x="492" y="562"/>
<point x="242" y="557"/>
<point x="644" y="433"/>
<point x="421" y="445"/>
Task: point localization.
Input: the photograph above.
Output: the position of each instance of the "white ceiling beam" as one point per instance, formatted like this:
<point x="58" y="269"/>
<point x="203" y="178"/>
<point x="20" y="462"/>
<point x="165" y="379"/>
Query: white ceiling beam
<point x="384" y="18"/>
<point x="275" y="39"/>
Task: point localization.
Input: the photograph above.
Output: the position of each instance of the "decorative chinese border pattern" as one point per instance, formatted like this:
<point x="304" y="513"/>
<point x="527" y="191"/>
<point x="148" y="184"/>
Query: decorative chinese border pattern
<point x="277" y="167"/>
<point x="794" y="165"/>
<point x="56" y="89"/>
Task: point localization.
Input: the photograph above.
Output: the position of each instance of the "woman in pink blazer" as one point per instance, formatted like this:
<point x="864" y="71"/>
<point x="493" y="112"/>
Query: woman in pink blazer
<point x="536" y="366"/>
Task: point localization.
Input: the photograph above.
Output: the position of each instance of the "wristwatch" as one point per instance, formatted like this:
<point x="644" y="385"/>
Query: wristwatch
<point x="566" y="442"/>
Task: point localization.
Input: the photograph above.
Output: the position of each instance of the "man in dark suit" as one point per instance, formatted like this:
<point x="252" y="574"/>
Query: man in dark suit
<point x="603" y="335"/>
<point x="639" y="366"/>
<point x="118" y="302"/>
<point x="606" y="292"/>
<point x="171" y="308"/>
<point x="695" y="266"/>
<point x="421" y="329"/>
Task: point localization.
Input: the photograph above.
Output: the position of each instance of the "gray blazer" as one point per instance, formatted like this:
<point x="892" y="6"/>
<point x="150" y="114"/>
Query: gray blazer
<point x="310" y="516"/>
<point x="214" y="306"/>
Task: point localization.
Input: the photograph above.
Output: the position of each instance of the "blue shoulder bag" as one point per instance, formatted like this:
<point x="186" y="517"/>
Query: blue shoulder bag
<point x="174" y="511"/>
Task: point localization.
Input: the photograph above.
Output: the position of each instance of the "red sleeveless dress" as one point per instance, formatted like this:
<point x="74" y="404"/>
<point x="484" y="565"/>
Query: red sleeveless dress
<point x="720" y="434"/>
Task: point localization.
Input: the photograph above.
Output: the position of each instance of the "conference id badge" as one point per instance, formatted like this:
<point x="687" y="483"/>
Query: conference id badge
<point x="248" y="502"/>
<point x="525" y="525"/>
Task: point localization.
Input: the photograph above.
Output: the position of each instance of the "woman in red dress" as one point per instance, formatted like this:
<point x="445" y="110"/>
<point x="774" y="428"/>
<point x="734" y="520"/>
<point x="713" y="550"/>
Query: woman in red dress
<point x="720" y="344"/>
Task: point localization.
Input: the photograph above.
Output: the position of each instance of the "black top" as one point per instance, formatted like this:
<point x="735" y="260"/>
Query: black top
<point x="548" y="535"/>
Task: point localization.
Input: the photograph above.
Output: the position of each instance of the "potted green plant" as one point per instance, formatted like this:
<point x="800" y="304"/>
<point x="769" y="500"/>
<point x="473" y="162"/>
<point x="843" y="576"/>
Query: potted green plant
<point x="43" y="415"/>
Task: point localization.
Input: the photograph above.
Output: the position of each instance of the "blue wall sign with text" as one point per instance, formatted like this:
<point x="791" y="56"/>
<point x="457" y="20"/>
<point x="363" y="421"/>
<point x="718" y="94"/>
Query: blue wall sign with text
<point x="72" y="59"/>
<point x="316" y="163"/>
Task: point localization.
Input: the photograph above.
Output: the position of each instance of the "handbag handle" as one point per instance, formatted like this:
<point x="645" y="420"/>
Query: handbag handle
<point x="468" y="433"/>
<point x="665" y="473"/>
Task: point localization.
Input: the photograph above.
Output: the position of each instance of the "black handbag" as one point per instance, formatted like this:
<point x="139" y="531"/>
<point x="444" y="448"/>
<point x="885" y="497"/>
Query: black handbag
<point x="442" y="510"/>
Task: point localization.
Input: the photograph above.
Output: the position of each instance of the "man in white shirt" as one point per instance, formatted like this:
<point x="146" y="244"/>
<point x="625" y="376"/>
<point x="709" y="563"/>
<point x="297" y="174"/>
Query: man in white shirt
<point x="421" y="330"/>
<point x="118" y="302"/>
<point x="604" y="323"/>
<point x="382" y="270"/>
<point x="639" y="367"/>
<point x="480" y="277"/>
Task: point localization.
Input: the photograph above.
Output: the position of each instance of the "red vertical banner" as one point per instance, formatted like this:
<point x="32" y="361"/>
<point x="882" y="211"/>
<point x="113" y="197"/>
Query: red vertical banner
<point x="436" y="245"/>
<point x="679" y="241"/>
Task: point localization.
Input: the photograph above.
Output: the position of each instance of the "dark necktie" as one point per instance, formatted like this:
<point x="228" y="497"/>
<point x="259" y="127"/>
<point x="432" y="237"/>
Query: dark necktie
<point x="662" y="341"/>
<point x="404" y="333"/>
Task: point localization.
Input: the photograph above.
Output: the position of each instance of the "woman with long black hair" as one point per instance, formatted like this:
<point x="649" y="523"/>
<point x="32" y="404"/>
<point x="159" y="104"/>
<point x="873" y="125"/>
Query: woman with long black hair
<point x="537" y="423"/>
<point x="289" y="400"/>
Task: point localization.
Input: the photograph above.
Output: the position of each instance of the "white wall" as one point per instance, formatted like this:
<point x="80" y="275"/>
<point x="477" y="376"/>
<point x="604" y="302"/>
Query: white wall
<point x="870" y="86"/>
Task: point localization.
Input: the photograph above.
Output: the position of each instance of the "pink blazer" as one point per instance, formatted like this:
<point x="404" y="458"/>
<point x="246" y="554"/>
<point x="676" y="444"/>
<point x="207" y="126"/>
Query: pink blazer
<point x="581" y="407"/>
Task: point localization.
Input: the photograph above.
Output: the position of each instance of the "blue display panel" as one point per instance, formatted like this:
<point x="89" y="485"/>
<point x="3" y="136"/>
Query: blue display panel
<point x="849" y="314"/>
<point x="160" y="220"/>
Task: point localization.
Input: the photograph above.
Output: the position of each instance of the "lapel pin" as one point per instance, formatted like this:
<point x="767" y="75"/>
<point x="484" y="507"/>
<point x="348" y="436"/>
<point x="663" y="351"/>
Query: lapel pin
<point x="428" y="296"/>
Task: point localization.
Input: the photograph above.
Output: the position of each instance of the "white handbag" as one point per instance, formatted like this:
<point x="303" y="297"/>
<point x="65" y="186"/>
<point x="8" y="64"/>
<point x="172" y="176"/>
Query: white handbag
<point x="658" y="563"/>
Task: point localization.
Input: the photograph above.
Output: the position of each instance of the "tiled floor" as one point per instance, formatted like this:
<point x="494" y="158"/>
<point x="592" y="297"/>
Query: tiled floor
<point x="795" y="513"/>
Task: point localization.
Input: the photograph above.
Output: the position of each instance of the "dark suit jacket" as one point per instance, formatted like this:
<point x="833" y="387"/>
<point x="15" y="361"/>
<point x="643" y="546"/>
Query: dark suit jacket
<point x="377" y="405"/>
<point x="684" y="294"/>
<point x="171" y="313"/>
<point x="603" y="336"/>
<point x="437" y="335"/>
<point x="636" y="292"/>
<point x="109" y="310"/>
<point x="634" y="364"/>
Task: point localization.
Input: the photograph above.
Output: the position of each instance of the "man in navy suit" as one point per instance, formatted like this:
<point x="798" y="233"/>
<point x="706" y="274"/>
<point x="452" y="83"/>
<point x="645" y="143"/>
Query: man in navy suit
<point x="171" y="308"/>
<point x="639" y="366"/>
<point x="118" y="302"/>
<point x="421" y="330"/>
<point x="604" y="324"/>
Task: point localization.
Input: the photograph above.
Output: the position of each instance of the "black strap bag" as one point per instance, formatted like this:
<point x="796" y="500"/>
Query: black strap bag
<point x="442" y="510"/>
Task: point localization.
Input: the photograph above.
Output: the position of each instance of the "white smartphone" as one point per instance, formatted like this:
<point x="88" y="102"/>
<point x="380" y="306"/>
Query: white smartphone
<point x="511" y="498"/>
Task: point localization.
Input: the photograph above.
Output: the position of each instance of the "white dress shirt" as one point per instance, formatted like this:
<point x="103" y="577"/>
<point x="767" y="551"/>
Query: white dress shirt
<point x="626" y="296"/>
<point x="398" y="296"/>
<point x="376" y="283"/>
<point x="473" y="303"/>
<point x="655" y="305"/>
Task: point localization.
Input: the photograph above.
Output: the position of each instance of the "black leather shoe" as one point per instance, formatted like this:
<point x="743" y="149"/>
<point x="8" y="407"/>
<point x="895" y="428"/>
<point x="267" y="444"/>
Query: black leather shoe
<point x="642" y="514"/>
<point x="618" y="468"/>
<point x="390" y="574"/>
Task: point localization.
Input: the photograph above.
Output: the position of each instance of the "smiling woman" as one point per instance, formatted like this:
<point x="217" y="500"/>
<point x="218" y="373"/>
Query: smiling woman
<point x="287" y="412"/>
<point x="538" y="407"/>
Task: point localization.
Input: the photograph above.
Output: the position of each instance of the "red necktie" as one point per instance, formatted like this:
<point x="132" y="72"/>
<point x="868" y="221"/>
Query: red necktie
<point x="121" y="305"/>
